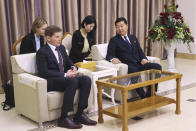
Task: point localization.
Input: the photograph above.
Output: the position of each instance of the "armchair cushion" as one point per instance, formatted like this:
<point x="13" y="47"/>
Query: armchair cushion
<point x="55" y="99"/>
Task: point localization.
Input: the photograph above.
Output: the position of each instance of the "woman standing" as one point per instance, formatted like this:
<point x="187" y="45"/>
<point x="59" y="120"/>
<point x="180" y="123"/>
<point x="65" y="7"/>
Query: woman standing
<point x="83" y="39"/>
<point x="34" y="40"/>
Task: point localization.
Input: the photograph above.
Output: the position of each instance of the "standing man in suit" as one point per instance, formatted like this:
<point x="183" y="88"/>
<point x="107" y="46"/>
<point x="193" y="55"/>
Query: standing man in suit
<point x="125" y="48"/>
<point x="34" y="40"/>
<point x="54" y="65"/>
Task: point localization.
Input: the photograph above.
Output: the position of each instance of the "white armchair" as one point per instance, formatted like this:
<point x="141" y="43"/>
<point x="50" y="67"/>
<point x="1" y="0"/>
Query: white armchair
<point x="31" y="97"/>
<point x="99" y="53"/>
<point x="67" y="41"/>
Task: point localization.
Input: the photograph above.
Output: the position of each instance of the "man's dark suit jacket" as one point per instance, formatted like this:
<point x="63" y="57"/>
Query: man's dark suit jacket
<point x="28" y="44"/>
<point x="127" y="54"/>
<point x="132" y="56"/>
<point x="48" y="66"/>
<point x="76" y="54"/>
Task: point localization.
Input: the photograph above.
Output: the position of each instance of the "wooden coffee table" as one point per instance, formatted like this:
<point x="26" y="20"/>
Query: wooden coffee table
<point x="144" y="78"/>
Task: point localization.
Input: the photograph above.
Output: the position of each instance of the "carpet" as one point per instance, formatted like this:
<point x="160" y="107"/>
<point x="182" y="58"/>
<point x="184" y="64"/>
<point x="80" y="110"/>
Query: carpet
<point x="46" y="126"/>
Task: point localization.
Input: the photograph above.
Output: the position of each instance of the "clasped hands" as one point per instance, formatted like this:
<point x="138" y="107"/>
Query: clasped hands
<point x="72" y="72"/>
<point x="144" y="61"/>
<point x="116" y="61"/>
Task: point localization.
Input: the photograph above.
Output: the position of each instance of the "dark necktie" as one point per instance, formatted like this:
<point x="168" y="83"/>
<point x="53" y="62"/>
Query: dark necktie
<point x="60" y="60"/>
<point x="126" y="40"/>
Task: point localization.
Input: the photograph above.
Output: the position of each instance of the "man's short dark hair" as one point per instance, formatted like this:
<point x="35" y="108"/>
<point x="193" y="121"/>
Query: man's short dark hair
<point x="121" y="19"/>
<point x="50" y="30"/>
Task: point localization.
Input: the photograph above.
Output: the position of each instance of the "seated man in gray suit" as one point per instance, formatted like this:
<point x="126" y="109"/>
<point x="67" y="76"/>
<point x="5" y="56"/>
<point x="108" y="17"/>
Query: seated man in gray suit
<point x="125" y="48"/>
<point x="54" y="65"/>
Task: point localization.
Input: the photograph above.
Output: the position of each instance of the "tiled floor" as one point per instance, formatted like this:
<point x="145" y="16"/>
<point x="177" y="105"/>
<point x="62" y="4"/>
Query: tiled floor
<point x="162" y="119"/>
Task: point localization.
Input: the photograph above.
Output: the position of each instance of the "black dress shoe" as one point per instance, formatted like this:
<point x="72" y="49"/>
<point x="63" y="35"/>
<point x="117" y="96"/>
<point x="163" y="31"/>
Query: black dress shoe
<point x="68" y="123"/>
<point x="83" y="119"/>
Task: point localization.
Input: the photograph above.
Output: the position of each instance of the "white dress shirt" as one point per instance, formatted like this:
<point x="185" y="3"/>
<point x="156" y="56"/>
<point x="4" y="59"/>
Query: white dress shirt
<point x="37" y="41"/>
<point x="127" y="38"/>
<point x="53" y="48"/>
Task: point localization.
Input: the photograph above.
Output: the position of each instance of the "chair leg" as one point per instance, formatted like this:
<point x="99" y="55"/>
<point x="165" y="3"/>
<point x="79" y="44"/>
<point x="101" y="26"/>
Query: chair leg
<point x="41" y="127"/>
<point x="112" y="96"/>
<point x="19" y="114"/>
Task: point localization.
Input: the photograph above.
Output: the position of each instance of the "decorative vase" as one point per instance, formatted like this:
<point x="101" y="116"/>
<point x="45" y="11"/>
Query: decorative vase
<point x="170" y="47"/>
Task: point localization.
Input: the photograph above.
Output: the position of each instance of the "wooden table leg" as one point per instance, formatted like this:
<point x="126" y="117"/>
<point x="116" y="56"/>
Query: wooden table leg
<point x="124" y="110"/>
<point x="178" y="80"/>
<point x="152" y="89"/>
<point x="100" y="108"/>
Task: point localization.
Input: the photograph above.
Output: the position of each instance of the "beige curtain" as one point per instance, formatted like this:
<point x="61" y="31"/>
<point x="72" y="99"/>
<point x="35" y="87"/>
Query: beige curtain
<point x="18" y="15"/>
<point x="4" y="45"/>
<point x="157" y="48"/>
<point x="1" y="89"/>
<point x="105" y="15"/>
<point x="52" y="12"/>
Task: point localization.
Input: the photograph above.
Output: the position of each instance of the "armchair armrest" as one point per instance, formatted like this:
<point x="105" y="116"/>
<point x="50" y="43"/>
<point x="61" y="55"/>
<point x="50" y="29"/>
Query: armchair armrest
<point x="154" y="59"/>
<point x="121" y="68"/>
<point x="31" y="96"/>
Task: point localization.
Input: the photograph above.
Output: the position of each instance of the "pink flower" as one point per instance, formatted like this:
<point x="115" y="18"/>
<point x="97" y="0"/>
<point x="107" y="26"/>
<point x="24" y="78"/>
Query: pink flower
<point x="165" y="6"/>
<point x="151" y="32"/>
<point x="171" y="33"/>
<point x="176" y="15"/>
<point x="162" y="21"/>
<point x="181" y="20"/>
<point x="192" y="39"/>
<point x="187" y="29"/>
<point x="164" y="15"/>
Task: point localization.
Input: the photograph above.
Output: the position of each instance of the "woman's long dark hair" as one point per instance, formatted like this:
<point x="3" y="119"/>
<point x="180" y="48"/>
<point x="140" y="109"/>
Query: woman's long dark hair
<point x="89" y="20"/>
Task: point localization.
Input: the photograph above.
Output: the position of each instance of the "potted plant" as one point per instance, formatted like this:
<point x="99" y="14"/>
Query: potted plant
<point x="170" y="29"/>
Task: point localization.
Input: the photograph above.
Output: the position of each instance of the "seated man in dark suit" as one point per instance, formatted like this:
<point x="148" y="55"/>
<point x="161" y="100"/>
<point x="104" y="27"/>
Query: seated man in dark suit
<point x="54" y="65"/>
<point x="125" y="48"/>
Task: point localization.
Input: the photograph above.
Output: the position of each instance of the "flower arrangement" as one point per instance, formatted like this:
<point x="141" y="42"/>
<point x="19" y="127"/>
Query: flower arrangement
<point x="169" y="27"/>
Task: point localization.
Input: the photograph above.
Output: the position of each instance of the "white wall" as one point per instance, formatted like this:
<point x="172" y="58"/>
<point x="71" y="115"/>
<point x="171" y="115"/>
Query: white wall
<point x="188" y="10"/>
